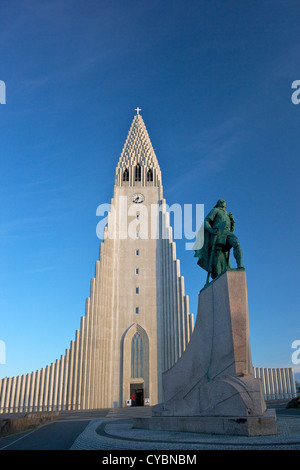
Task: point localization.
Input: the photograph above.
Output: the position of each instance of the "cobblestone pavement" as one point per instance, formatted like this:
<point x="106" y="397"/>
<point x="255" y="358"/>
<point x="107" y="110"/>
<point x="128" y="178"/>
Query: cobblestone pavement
<point x="118" y="434"/>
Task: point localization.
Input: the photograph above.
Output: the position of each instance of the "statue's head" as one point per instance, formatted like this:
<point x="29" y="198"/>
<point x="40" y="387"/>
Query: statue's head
<point x="221" y="203"/>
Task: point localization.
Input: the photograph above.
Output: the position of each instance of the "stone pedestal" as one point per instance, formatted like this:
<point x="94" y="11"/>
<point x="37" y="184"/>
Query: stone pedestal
<point x="211" y="388"/>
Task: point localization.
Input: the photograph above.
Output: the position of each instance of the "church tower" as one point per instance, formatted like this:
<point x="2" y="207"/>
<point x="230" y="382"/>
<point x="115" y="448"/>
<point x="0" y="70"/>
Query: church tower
<point x="137" y="321"/>
<point x="141" y="321"/>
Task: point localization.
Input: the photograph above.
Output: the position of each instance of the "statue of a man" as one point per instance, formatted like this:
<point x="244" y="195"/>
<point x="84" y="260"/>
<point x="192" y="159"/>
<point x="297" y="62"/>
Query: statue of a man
<point x="214" y="256"/>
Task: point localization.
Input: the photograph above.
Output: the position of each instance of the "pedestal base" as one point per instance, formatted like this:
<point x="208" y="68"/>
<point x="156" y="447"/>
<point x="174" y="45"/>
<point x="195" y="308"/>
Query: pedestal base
<point x="245" y="426"/>
<point x="212" y="389"/>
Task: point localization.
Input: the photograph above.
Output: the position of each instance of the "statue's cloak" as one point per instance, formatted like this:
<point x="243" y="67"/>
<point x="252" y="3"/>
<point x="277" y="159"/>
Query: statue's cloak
<point x="204" y="241"/>
<point x="202" y="248"/>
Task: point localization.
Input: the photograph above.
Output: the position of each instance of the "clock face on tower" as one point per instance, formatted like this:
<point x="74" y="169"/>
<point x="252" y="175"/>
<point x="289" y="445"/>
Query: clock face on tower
<point x="138" y="198"/>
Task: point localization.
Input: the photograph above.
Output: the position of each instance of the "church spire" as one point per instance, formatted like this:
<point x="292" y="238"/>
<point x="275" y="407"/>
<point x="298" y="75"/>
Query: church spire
<point x="138" y="162"/>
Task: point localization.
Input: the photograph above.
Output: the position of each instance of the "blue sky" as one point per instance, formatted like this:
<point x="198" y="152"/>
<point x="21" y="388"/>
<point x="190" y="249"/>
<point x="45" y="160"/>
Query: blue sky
<point x="213" y="80"/>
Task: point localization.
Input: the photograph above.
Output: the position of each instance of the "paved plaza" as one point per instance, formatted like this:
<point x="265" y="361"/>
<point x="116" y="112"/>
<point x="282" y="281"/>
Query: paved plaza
<point x="115" y="432"/>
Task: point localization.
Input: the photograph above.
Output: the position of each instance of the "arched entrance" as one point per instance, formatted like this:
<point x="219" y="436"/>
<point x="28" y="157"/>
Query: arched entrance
<point x="134" y="380"/>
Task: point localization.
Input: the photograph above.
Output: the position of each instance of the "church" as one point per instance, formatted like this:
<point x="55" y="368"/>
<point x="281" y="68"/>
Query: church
<point x="137" y="321"/>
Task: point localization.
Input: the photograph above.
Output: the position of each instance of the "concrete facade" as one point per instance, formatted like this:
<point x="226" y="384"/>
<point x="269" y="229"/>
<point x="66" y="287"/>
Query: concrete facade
<point x="137" y="321"/>
<point x="278" y="383"/>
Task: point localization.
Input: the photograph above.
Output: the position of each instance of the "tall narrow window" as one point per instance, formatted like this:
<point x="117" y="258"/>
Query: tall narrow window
<point x="138" y="173"/>
<point x="126" y="175"/>
<point x="136" y="356"/>
<point x="149" y="175"/>
<point x="137" y="290"/>
<point x="137" y="271"/>
<point x="137" y="252"/>
<point x="137" y="310"/>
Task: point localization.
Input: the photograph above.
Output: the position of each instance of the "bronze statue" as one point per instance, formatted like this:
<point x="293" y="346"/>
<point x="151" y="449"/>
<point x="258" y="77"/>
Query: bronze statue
<point x="214" y="256"/>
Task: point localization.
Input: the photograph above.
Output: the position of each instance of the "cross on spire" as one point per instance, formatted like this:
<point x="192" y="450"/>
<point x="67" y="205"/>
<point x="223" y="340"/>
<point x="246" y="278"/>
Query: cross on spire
<point x="138" y="110"/>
